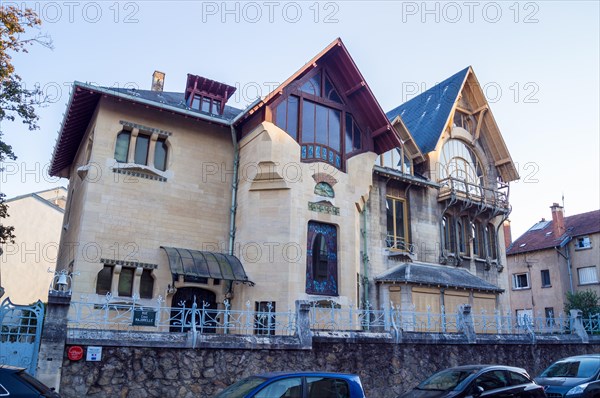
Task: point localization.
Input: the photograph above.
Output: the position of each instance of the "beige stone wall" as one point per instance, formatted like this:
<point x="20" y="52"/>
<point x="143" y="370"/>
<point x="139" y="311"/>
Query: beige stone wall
<point x="537" y="298"/>
<point x="25" y="263"/>
<point x="128" y="218"/>
<point x="586" y="258"/>
<point x="272" y="217"/>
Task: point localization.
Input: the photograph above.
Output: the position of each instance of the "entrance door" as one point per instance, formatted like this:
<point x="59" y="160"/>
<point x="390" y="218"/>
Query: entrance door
<point x="205" y="315"/>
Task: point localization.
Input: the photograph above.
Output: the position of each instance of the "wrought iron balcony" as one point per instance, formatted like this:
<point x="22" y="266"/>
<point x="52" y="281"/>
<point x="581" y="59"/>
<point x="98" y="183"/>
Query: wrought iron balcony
<point x="473" y="194"/>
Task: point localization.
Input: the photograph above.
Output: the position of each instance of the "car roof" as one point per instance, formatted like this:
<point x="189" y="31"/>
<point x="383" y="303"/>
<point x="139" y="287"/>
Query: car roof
<point x="11" y="369"/>
<point x="485" y="367"/>
<point x="270" y="375"/>
<point x="580" y="357"/>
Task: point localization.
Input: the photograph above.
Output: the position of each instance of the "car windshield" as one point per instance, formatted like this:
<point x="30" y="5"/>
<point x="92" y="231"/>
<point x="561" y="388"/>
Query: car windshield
<point x="446" y="380"/>
<point x="580" y="368"/>
<point x="241" y="388"/>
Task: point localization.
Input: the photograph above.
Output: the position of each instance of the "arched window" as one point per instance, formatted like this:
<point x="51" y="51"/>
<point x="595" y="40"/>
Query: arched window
<point x="447" y="234"/>
<point x="478" y="239"/>
<point x="122" y="146"/>
<point x="316" y="116"/>
<point x="460" y="168"/>
<point x="321" y="259"/>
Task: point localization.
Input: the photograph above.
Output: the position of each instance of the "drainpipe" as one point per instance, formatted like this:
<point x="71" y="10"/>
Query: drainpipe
<point x="365" y="256"/>
<point x="232" y="210"/>
<point x="567" y="257"/>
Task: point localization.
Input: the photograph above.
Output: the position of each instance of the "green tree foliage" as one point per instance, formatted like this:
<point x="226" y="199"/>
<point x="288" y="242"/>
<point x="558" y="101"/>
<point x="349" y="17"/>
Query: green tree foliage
<point x="587" y="301"/>
<point x="16" y="102"/>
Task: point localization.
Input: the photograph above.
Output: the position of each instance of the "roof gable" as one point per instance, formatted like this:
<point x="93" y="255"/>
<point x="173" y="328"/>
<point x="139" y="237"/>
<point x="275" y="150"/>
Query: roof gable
<point x="429" y="114"/>
<point x="426" y="115"/>
<point x="541" y="235"/>
<point x="351" y="84"/>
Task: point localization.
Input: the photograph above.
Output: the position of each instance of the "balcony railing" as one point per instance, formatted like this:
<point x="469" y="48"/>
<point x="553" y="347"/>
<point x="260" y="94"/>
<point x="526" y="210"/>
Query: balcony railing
<point x="398" y="243"/>
<point x="465" y="190"/>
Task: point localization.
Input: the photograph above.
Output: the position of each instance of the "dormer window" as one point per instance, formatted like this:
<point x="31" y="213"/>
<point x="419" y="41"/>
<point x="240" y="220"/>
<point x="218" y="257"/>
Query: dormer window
<point x="396" y="159"/>
<point x="205" y="95"/>
<point x="464" y="121"/>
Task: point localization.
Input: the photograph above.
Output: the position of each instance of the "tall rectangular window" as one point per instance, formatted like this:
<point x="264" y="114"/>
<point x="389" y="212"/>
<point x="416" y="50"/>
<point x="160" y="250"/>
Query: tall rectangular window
<point x="545" y="274"/>
<point x="142" y="144"/>
<point x="587" y="275"/>
<point x="397" y="224"/>
<point x="520" y="281"/>
<point x="146" y="284"/>
<point x="126" y="282"/>
<point x="104" y="280"/>
<point x="549" y="312"/>
<point x="160" y="154"/>
<point x="122" y="146"/>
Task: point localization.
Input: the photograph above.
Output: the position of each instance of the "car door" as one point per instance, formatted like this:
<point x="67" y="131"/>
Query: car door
<point x="492" y="384"/>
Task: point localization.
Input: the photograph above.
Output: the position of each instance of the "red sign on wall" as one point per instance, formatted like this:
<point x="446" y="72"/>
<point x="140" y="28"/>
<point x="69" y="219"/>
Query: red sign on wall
<point x="75" y="353"/>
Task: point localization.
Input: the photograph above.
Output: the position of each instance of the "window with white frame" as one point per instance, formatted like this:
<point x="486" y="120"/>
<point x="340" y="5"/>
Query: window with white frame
<point x="587" y="275"/>
<point x="521" y="281"/>
<point x="583" y="242"/>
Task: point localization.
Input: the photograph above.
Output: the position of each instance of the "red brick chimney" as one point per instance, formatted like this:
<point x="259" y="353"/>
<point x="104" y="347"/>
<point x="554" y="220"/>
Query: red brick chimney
<point x="558" y="220"/>
<point x="507" y="233"/>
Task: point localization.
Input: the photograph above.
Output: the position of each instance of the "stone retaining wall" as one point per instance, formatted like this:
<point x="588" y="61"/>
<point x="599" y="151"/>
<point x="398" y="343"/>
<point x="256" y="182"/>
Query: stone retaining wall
<point x="386" y="368"/>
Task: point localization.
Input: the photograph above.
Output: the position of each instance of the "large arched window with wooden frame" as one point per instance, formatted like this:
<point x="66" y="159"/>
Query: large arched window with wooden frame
<point x="460" y="168"/>
<point x="320" y="119"/>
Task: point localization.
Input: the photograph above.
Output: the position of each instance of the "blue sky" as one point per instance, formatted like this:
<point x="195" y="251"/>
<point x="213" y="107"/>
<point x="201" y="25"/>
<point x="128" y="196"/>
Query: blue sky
<point x="537" y="61"/>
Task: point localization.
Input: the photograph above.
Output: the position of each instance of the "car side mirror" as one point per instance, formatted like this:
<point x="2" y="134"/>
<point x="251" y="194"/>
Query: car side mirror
<point x="478" y="391"/>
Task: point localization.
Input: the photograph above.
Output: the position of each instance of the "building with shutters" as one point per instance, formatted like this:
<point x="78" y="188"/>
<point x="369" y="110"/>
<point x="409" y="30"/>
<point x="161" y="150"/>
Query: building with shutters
<point x="310" y="193"/>
<point x="552" y="258"/>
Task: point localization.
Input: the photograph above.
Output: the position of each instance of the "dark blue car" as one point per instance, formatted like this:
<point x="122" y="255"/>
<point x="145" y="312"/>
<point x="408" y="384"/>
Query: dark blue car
<point x="15" y="382"/>
<point x="573" y="377"/>
<point x="296" y="385"/>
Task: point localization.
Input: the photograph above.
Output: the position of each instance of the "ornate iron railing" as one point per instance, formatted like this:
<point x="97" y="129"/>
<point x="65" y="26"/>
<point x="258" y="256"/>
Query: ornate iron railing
<point x="329" y="316"/>
<point x="399" y="243"/>
<point x="201" y="318"/>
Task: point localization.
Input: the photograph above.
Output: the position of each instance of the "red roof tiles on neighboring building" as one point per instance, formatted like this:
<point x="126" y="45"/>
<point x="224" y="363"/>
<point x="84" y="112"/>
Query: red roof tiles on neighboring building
<point x="541" y="236"/>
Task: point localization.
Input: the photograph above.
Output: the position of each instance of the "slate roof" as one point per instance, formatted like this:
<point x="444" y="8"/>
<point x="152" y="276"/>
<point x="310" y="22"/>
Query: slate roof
<point x="541" y="236"/>
<point x="426" y="115"/>
<point x="176" y="100"/>
<point x="436" y="275"/>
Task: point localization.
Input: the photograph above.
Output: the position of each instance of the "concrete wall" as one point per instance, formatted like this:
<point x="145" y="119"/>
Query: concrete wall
<point x="161" y="372"/>
<point x="24" y="265"/>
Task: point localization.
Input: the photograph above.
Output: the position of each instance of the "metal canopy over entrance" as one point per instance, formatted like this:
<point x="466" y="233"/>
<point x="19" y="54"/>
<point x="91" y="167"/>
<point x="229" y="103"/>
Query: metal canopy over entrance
<point x="195" y="264"/>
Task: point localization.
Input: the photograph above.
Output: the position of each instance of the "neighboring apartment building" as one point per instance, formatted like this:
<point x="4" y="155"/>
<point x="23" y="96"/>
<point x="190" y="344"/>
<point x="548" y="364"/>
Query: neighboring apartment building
<point x="552" y="258"/>
<point x="312" y="193"/>
<point x="37" y="218"/>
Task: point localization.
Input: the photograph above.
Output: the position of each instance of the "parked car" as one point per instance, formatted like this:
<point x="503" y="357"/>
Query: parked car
<point x="15" y="382"/>
<point x="491" y="381"/>
<point x="573" y="377"/>
<point x="296" y="385"/>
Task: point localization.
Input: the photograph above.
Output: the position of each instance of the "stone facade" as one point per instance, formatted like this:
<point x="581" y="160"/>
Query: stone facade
<point x="158" y="372"/>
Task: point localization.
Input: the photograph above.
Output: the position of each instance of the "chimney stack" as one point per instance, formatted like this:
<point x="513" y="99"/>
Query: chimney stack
<point x="158" y="81"/>
<point x="507" y="233"/>
<point x="558" y="220"/>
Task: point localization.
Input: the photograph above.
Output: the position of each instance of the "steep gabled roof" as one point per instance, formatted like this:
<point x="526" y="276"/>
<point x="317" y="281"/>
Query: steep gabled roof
<point x="426" y="115"/>
<point x="541" y="236"/>
<point x="352" y="83"/>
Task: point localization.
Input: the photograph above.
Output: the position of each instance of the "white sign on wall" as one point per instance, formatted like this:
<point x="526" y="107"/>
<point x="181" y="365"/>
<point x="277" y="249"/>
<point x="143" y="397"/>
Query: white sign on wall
<point x="94" y="354"/>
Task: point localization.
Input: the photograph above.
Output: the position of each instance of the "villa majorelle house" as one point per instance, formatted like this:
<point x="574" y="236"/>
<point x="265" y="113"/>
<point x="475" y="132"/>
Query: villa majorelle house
<point x="311" y="193"/>
<point x="552" y="258"/>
